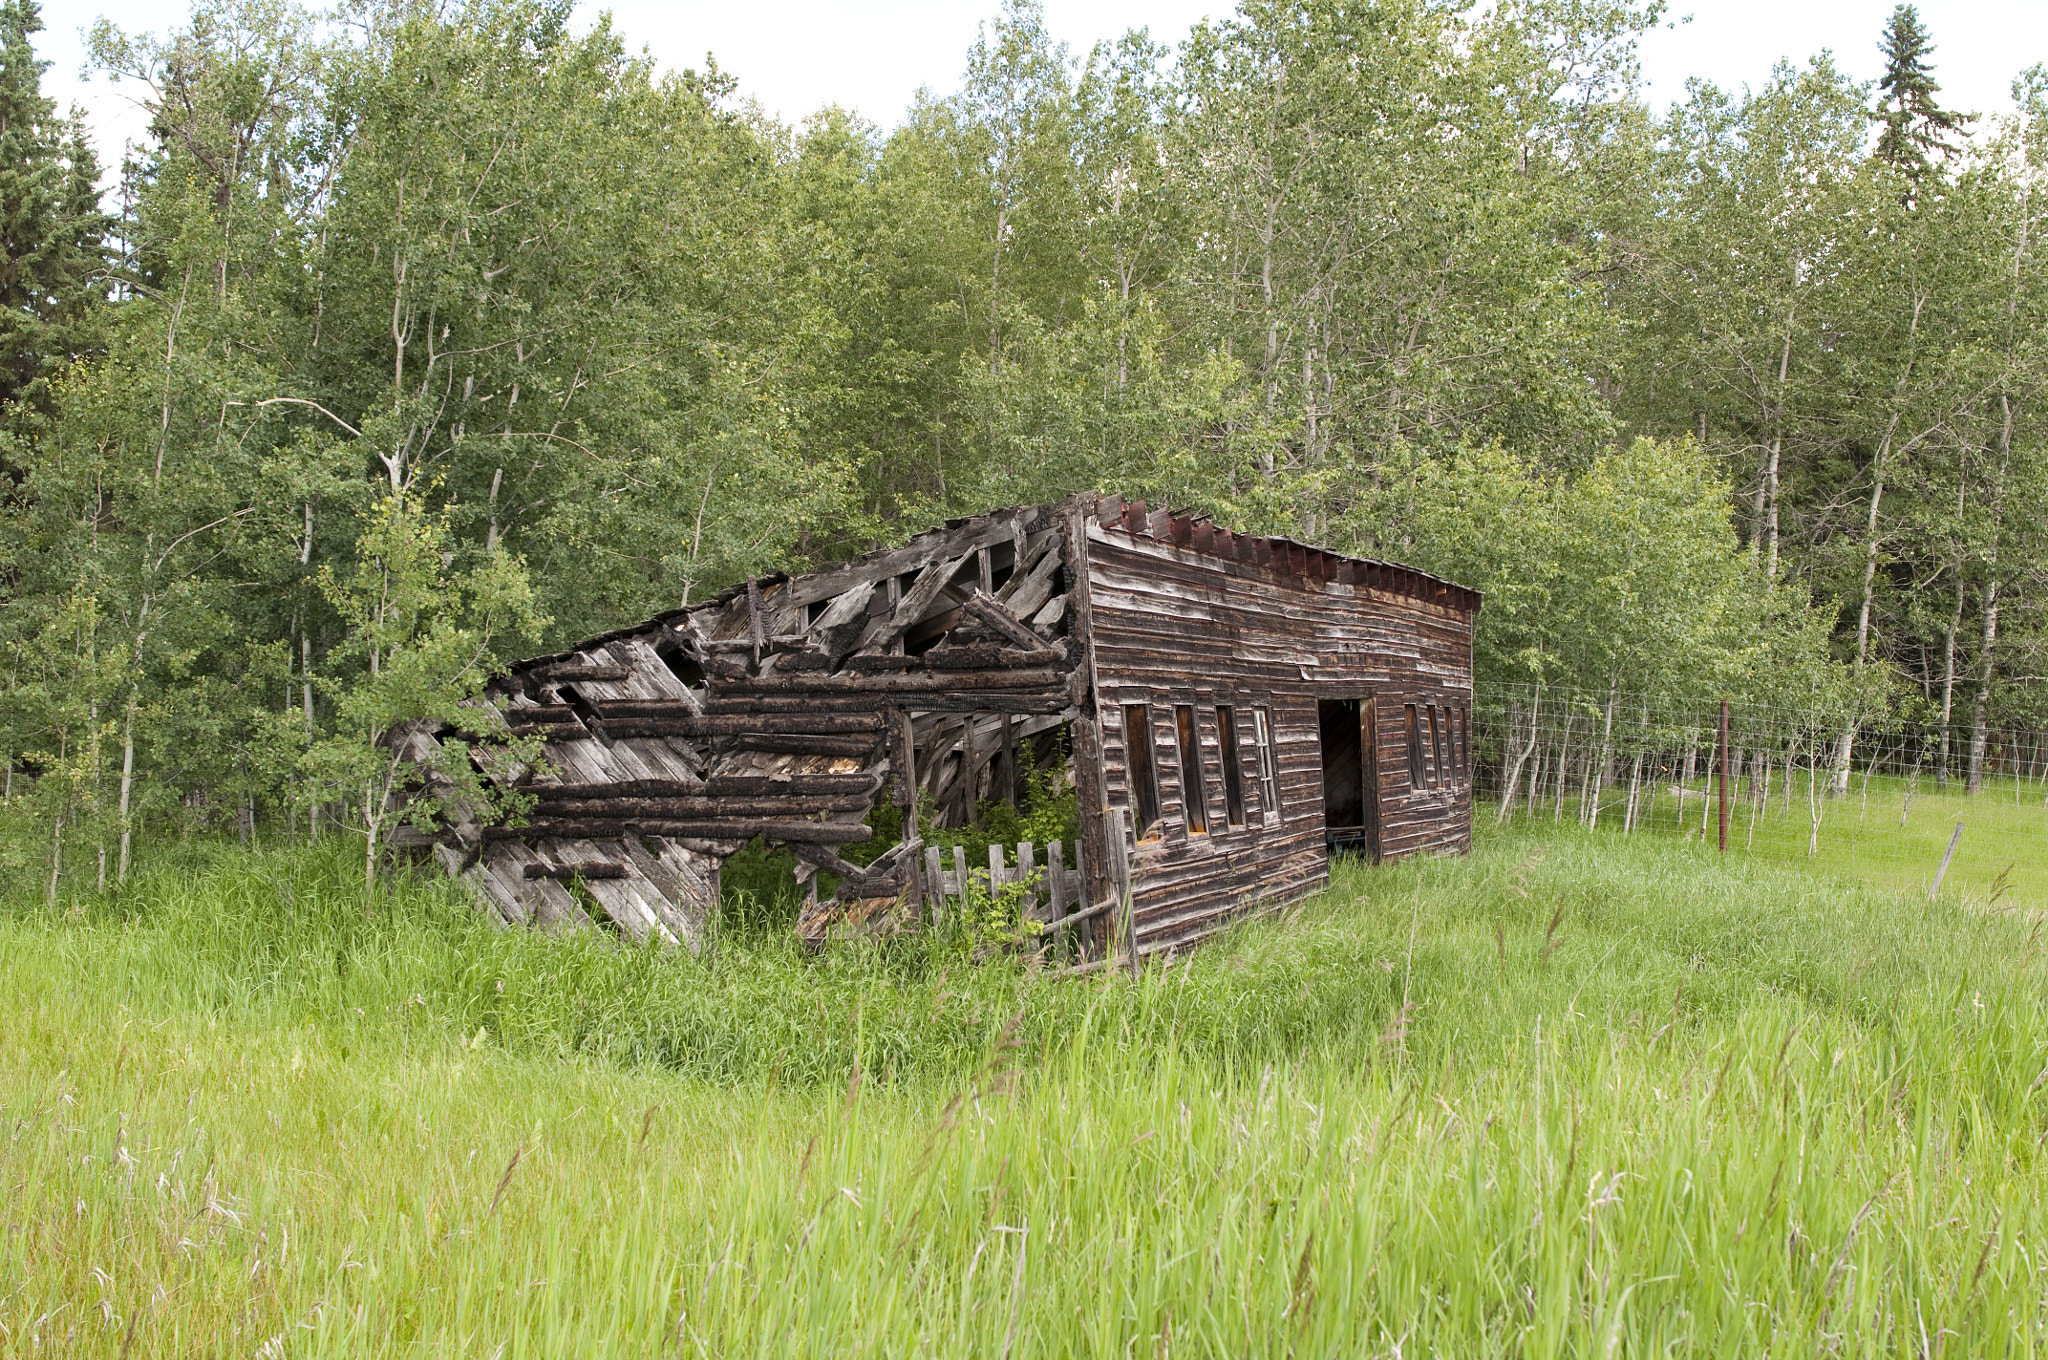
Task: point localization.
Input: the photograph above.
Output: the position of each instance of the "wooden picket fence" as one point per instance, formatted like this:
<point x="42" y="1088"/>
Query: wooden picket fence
<point x="1058" y="890"/>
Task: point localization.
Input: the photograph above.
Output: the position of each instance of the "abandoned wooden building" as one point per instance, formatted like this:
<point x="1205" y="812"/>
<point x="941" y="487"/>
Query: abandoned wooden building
<point x="1231" y="711"/>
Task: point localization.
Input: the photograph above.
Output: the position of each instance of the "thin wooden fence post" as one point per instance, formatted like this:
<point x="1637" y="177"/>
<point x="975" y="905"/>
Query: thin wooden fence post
<point x="1056" y="880"/>
<point x="1027" y="869"/>
<point x="934" y="882"/>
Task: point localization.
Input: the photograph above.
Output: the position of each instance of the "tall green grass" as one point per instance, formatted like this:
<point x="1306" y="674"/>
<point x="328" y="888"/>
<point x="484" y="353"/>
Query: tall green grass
<point x="1889" y="831"/>
<point x="1569" y="1096"/>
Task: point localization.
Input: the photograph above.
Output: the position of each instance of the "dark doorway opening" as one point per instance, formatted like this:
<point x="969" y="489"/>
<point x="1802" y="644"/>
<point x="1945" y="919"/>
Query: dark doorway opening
<point x="1349" y="729"/>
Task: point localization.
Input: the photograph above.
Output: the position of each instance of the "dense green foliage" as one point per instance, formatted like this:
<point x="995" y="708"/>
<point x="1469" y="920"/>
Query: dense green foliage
<point x="51" y="229"/>
<point x="1573" y="1095"/>
<point x="1739" y="399"/>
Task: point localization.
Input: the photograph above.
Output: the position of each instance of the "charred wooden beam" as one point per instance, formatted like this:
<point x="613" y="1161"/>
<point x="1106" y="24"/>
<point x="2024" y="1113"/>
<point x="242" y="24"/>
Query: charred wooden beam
<point x="990" y="656"/>
<point x="676" y="722"/>
<point x="728" y="785"/>
<point x="736" y="829"/>
<point x="991" y="702"/>
<point x="823" y="857"/>
<point x="541" y="716"/>
<point x="797" y="744"/>
<point x="568" y="672"/>
<point x="769" y="642"/>
<point x="1021" y="678"/>
<point x="717" y="669"/>
<point x="624" y="788"/>
<point x="791" y="701"/>
<point x="887" y="661"/>
<point x="565" y="872"/>
<point x="672" y="809"/>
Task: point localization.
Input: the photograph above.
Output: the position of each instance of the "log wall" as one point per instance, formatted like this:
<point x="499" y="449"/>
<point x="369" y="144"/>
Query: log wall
<point x="1188" y="614"/>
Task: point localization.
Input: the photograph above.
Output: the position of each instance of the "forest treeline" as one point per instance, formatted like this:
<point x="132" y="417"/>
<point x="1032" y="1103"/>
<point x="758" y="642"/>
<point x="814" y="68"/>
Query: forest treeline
<point x="419" y="336"/>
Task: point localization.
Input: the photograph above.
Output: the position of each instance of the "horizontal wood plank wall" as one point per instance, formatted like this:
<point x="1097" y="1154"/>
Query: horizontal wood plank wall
<point x="1175" y="625"/>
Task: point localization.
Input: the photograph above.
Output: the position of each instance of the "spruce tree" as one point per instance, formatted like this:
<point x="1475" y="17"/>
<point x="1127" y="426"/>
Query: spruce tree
<point x="1914" y="124"/>
<point x="52" y="232"/>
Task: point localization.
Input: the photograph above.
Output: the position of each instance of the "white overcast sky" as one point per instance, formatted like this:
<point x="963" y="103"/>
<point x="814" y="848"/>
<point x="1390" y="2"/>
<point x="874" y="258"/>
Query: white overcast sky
<point x="797" y="55"/>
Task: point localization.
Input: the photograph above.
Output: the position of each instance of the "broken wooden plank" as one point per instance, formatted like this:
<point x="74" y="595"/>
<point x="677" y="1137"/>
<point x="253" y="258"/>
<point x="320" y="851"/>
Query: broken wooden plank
<point x="1002" y="621"/>
<point x="1074" y="918"/>
<point x="956" y="542"/>
<point x="915" y="602"/>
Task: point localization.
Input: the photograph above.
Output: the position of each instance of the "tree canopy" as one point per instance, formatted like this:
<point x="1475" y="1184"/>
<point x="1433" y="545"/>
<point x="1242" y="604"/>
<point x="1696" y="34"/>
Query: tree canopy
<point x="426" y="334"/>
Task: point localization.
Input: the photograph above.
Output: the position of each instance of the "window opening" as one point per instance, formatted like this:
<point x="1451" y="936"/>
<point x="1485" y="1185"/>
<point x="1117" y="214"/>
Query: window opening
<point x="1269" y="765"/>
<point x="1414" y="747"/>
<point x="1194" y="797"/>
<point x="1144" y="780"/>
<point x="1464" y="744"/>
<point x="1233" y="758"/>
<point x="1439" y="775"/>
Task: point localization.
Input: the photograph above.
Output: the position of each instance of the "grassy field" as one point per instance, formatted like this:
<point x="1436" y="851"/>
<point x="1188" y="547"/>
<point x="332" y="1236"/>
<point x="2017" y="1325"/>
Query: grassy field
<point x="1573" y="1095"/>
<point x="1889" y="832"/>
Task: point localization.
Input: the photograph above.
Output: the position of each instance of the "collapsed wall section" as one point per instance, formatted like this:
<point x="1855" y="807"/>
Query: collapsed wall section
<point x="782" y="710"/>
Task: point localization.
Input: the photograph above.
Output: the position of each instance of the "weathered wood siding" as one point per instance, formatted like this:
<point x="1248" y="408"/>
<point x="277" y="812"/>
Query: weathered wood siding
<point x="1191" y="614"/>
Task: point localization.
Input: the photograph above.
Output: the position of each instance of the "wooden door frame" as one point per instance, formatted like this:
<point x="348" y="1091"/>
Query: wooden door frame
<point x="1369" y="771"/>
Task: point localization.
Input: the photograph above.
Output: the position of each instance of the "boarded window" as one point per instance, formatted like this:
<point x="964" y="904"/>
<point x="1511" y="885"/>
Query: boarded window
<point x="1464" y="744"/>
<point x="1144" y="780"/>
<point x="1269" y="765"/>
<point x="1415" y="771"/>
<point x="1194" y="798"/>
<point x="1233" y="765"/>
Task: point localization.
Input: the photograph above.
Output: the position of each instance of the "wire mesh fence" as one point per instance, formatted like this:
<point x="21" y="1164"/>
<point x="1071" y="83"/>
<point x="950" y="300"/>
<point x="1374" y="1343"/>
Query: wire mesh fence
<point x="1889" y="803"/>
